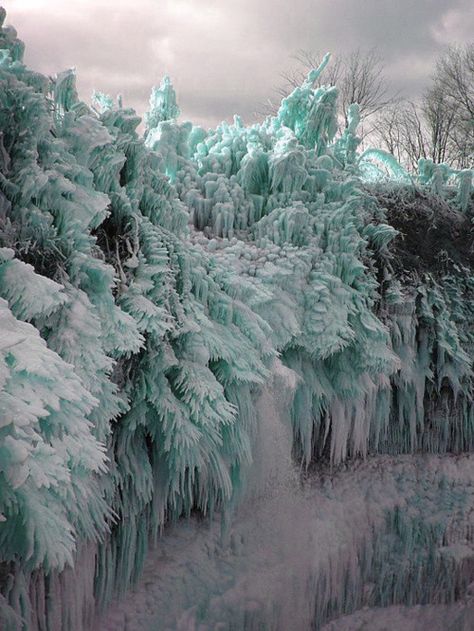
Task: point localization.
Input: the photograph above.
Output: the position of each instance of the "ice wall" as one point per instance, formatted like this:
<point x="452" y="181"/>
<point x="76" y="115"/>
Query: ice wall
<point x="153" y="291"/>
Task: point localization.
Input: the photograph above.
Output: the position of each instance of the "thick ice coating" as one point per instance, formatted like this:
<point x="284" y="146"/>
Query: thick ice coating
<point x="158" y="295"/>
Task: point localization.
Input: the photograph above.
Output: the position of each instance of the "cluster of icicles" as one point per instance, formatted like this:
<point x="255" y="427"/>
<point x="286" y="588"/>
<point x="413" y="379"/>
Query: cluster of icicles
<point x="208" y="324"/>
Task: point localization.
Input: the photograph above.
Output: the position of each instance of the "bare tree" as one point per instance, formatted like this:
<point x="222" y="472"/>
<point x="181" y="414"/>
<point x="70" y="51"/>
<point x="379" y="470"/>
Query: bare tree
<point x="455" y="73"/>
<point x="402" y="131"/>
<point x="454" y="76"/>
<point x="440" y="126"/>
<point x="439" y="115"/>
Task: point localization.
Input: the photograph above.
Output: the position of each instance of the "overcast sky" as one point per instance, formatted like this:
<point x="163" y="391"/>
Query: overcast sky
<point x="227" y="56"/>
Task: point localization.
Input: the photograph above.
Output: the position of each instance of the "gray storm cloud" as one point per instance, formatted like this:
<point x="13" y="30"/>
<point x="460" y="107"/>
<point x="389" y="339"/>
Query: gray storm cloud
<point x="227" y="57"/>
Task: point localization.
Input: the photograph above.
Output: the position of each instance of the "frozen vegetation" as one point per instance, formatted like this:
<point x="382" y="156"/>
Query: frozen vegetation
<point x="235" y="370"/>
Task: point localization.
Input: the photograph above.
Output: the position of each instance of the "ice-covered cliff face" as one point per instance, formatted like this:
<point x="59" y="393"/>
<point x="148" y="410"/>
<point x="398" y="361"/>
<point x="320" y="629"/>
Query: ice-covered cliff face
<point x="225" y="325"/>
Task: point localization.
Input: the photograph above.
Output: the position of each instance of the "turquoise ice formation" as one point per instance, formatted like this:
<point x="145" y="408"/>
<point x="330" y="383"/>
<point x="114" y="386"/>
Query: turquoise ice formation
<point x="149" y="284"/>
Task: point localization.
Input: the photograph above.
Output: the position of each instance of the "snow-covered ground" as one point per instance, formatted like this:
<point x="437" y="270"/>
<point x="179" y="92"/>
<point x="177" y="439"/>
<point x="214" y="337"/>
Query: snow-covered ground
<point x="291" y="549"/>
<point x="455" y="617"/>
<point x="267" y="571"/>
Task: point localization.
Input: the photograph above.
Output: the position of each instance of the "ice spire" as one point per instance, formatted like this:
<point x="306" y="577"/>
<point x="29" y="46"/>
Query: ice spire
<point x="163" y="105"/>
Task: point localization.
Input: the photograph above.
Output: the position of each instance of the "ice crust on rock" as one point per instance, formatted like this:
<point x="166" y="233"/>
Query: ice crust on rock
<point x="194" y="321"/>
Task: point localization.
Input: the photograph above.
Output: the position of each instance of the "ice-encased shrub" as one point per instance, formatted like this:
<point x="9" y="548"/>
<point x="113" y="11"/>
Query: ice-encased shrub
<point x="147" y="284"/>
